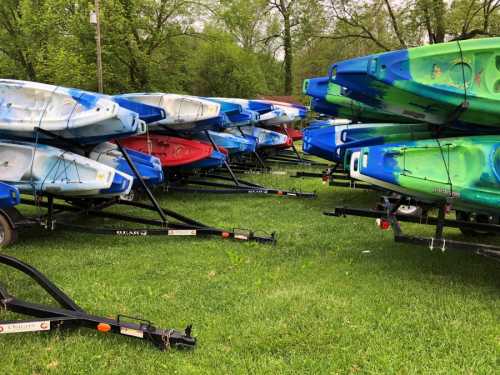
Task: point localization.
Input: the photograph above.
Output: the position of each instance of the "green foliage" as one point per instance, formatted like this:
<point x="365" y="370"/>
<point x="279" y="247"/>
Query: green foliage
<point x="219" y="47"/>
<point x="225" y="69"/>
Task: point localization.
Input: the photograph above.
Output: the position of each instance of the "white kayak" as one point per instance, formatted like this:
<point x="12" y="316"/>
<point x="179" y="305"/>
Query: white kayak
<point x="289" y="113"/>
<point x="267" y="111"/>
<point x="70" y="113"/>
<point x="181" y="109"/>
<point x="265" y="137"/>
<point x="45" y="169"/>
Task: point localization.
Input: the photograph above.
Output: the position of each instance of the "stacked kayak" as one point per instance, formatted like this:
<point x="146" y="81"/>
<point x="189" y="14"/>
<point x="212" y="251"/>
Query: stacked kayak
<point x="290" y="113"/>
<point x="440" y="106"/>
<point x="40" y="168"/>
<point x="234" y="144"/>
<point x="149" y="166"/>
<point x="171" y="151"/>
<point x="328" y="98"/>
<point x="69" y="113"/>
<point x="266" y="137"/>
<point x="330" y="142"/>
<point x="235" y="114"/>
<point x="183" y="112"/>
<point x="455" y="82"/>
<point x="465" y="171"/>
<point x="36" y="117"/>
<point x="319" y="140"/>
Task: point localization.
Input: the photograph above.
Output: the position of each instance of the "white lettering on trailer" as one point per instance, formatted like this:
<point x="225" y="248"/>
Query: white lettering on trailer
<point x="182" y="232"/>
<point x="25" y="327"/>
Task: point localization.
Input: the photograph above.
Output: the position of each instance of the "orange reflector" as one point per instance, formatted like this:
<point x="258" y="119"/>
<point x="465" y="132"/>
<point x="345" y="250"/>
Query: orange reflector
<point x="225" y="234"/>
<point x="103" y="327"/>
<point x="279" y="193"/>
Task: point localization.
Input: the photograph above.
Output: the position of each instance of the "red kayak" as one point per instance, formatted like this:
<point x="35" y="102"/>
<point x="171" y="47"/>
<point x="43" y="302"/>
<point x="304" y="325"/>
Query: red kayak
<point x="295" y="134"/>
<point x="172" y="151"/>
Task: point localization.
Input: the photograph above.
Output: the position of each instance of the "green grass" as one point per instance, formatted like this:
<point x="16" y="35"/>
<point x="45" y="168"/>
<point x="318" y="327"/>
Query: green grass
<point x="336" y="295"/>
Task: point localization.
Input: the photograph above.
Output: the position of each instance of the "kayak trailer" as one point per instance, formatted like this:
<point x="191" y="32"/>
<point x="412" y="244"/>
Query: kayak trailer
<point x="64" y="213"/>
<point x="391" y="212"/>
<point x="70" y="316"/>
<point x="223" y="181"/>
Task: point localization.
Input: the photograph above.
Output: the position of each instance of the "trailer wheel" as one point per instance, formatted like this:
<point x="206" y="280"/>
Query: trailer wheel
<point x="8" y="235"/>
<point x="473" y="218"/>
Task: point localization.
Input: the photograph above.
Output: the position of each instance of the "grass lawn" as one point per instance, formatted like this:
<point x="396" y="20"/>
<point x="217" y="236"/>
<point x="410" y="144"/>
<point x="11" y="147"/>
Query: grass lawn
<point x="335" y="295"/>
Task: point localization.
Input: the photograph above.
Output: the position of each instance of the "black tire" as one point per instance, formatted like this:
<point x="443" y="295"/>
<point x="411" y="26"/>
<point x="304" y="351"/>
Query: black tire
<point x="8" y="235"/>
<point x="468" y="216"/>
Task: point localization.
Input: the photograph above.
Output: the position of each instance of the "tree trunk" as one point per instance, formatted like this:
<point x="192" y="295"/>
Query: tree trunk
<point x="439" y="16"/>
<point x="287" y="43"/>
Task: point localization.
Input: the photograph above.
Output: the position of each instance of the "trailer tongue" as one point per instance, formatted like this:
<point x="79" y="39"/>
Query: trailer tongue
<point x="70" y="315"/>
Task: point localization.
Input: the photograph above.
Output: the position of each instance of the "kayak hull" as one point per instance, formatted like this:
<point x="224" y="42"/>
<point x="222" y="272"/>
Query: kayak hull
<point x="171" y="151"/>
<point x="430" y="83"/>
<point x="70" y="113"/>
<point x="464" y="171"/>
<point x="44" y="169"/>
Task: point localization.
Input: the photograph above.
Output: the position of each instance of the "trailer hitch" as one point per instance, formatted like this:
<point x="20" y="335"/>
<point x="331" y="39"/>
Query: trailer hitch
<point x="70" y="315"/>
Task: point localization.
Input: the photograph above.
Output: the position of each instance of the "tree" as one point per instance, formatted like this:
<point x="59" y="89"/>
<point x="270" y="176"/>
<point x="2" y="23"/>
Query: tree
<point x="225" y="69"/>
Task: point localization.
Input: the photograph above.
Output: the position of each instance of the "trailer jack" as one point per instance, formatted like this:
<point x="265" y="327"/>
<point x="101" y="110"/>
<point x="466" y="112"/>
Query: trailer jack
<point x="70" y="315"/>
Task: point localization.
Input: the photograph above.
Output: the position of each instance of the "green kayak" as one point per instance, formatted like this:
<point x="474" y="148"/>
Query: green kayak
<point x="465" y="171"/>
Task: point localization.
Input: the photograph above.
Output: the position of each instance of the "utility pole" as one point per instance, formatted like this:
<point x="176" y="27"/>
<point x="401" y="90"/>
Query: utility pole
<point x="95" y="20"/>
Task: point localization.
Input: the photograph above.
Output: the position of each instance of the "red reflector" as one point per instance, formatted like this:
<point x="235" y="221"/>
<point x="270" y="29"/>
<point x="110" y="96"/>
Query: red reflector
<point x="225" y="235"/>
<point x="383" y="224"/>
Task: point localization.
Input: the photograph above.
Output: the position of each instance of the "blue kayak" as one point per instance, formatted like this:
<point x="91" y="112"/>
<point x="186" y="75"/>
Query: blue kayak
<point x="322" y="106"/>
<point x="234" y="144"/>
<point x="148" y="166"/>
<point x="319" y="140"/>
<point x="235" y="114"/>
<point x="146" y="112"/>
<point x="216" y="160"/>
<point x="9" y="195"/>
<point x="317" y="87"/>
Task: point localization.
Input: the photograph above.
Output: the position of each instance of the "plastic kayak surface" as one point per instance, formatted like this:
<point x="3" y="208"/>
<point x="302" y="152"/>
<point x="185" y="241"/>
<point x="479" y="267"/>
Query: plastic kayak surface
<point x="172" y="151"/>
<point x="40" y="168"/>
<point x="440" y="83"/>
<point x="464" y="171"/>
<point x="9" y="195"/>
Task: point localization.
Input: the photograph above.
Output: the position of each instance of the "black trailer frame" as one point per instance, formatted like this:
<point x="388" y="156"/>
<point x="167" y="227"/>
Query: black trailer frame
<point x="336" y="176"/>
<point x="63" y="215"/>
<point x="216" y="182"/>
<point x="388" y="212"/>
<point x="70" y="315"/>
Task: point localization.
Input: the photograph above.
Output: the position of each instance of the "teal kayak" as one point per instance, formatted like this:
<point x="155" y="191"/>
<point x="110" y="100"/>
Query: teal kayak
<point x="455" y="82"/>
<point x="464" y="171"/>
